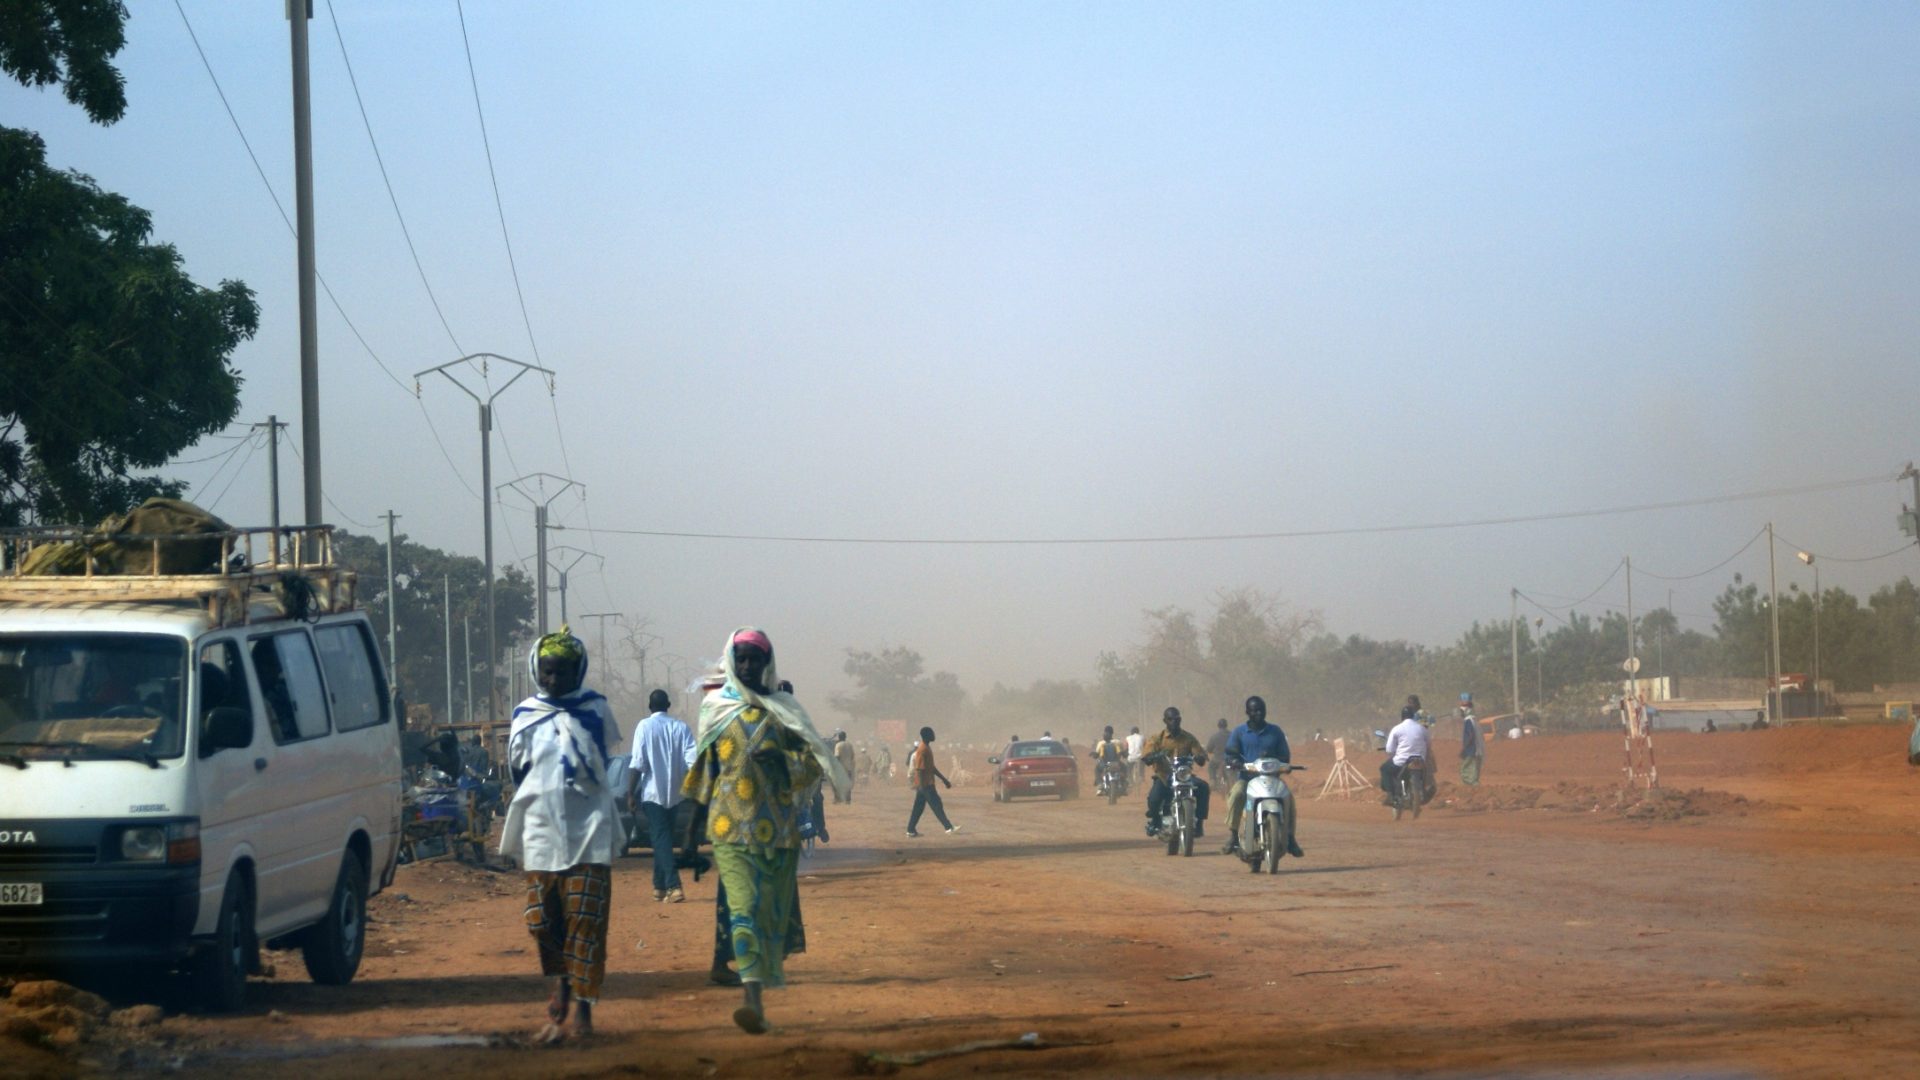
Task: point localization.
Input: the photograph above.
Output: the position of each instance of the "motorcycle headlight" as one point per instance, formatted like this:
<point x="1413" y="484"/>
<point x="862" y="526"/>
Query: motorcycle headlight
<point x="1182" y="774"/>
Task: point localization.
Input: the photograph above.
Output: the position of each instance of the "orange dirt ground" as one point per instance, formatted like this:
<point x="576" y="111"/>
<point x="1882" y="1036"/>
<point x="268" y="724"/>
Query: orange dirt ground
<point x="1755" y="917"/>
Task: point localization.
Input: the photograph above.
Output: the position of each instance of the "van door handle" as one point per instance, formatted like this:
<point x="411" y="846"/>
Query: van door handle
<point x="259" y="764"/>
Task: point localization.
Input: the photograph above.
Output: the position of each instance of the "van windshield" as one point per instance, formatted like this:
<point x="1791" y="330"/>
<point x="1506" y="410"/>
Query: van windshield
<point x="80" y="696"/>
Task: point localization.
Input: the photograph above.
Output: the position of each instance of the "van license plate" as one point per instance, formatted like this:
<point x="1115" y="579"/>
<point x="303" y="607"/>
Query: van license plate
<point x="16" y="894"/>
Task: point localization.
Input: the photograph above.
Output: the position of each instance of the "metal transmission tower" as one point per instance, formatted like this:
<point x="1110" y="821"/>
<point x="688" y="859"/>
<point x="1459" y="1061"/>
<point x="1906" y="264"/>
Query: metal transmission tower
<point x="578" y="555"/>
<point x="538" y="481"/>
<point x="486" y="483"/>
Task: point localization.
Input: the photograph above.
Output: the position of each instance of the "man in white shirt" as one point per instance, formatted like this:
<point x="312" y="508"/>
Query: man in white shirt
<point x="1408" y="740"/>
<point x="662" y="745"/>
<point x="1135" y="741"/>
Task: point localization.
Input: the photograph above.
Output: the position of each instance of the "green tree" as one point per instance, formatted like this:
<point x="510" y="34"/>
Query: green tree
<point x="112" y="360"/>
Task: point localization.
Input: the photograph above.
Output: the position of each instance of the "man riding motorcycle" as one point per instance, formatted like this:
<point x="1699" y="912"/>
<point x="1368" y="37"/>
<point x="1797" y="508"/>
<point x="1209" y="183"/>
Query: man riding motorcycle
<point x="1109" y="752"/>
<point x="1159" y="752"/>
<point x="1252" y="741"/>
<point x="1408" y="739"/>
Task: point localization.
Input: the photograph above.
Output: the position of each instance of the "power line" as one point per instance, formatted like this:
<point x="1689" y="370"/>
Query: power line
<point x="499" y="207"/>
<point x="1596" y="591"/>
<point x="252" y="448"/>
<point x="1715" y="566"/>
<point x="1296" y="534"/>
<point x="329" y="499"/>
<point x="384" y="179"/>
<point x="271" y="194"/>
<point x="1823" y="557"/>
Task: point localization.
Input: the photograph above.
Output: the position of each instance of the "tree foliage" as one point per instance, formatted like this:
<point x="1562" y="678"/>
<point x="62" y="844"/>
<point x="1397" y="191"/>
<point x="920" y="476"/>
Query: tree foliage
<point x="893" y="685"/>
<point x="70" y="44"/>
<point x="112" y="360"/>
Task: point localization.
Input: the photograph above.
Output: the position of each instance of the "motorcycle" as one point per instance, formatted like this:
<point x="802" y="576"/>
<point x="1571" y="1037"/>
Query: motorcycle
<point x="1112" y="780"/>
<point x="1266" y="825"/>
<point x="1409" y="789"/>
<point x="1181" y="817"/>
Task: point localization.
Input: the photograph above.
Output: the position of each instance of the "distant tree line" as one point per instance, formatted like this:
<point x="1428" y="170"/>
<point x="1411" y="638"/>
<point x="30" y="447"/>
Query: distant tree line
<point x="1247" y="643"/>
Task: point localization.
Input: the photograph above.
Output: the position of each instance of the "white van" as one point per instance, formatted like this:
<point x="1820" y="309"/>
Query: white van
<point x="191" y="765"/>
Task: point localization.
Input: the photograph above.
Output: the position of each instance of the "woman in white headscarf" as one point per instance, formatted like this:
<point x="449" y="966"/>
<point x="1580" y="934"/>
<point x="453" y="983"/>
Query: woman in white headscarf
<point x="756" y="758"/>
<point x="562" y="826"/>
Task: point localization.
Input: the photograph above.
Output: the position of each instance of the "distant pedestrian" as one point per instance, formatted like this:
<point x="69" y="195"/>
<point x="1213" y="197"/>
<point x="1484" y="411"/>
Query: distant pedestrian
<point x="883" y="763"/>
<point x="1135" y="741"/>
<point x="562" y="826"/>
<point x="1216" y="753"/>
<point x="662" y="750"/>
<point x="755" y="757"/>
<point x="921" y="773"/>
<point x="1473" y="746"/>
<point x="843" y="751"/>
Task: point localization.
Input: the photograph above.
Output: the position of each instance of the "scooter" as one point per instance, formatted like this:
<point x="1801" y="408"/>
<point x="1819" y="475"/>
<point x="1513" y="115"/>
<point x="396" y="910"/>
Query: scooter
<point x="1266" y="825"/>
<point x="1178" y="822"/>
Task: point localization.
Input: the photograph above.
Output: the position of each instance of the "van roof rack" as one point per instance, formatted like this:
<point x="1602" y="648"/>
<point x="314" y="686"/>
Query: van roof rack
<point x="260" y="572"/>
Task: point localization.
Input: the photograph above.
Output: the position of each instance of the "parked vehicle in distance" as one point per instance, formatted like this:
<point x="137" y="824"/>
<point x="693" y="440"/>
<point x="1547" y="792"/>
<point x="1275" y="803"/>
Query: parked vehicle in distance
<point x="1034" y="769"/>
<point x="196" y="763"/>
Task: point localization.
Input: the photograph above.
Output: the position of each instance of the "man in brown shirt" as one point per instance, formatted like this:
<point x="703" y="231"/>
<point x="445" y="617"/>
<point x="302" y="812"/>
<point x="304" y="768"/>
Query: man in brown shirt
<point x="1158" y="752"/>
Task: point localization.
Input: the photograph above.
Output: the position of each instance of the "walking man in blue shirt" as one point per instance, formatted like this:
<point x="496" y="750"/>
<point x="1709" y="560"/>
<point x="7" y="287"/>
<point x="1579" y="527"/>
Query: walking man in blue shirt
<point x="661" y="747"/>
<point x="1252" y="741"/>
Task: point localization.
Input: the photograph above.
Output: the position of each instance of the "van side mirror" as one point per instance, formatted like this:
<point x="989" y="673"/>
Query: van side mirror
<point x="227" y="728"/>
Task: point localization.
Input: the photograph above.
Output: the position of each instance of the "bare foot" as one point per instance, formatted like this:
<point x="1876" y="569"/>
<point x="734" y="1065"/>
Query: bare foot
<point x="582" y="1026"/>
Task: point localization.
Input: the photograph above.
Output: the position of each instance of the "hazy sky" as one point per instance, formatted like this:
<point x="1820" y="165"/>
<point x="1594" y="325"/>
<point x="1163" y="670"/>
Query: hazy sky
<point x="1076" y="270"/>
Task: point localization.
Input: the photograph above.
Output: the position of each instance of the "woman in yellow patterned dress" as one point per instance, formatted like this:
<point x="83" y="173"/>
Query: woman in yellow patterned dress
<point x="756" y="759"/>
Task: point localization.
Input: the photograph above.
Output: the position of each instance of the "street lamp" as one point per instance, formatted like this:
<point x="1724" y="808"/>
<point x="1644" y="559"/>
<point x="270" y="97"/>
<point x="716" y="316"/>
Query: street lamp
<point x="1807" y="557"/>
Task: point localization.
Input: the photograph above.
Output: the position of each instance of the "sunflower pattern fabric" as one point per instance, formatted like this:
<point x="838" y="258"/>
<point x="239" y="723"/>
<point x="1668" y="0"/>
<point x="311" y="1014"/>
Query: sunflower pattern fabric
<point x="752" y="778"/>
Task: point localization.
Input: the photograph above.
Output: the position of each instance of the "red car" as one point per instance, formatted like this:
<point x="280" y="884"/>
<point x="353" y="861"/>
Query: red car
<point x="1036" y="768"/>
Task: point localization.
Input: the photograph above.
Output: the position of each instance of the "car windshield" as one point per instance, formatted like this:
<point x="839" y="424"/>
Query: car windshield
<point x="1038" y="749"/>
<point x="91" y="695"/>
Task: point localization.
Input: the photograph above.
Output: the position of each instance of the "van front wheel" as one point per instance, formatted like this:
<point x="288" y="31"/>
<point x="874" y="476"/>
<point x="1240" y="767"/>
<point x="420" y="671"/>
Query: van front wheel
<point x="219" y="971"/>
<point x="332" y="947"/>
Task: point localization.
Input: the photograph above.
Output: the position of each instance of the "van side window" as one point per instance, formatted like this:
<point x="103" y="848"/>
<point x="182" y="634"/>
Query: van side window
<point x="290" y="683"/>
<point x="223" y="685"/>
<point x="354" y="682"/>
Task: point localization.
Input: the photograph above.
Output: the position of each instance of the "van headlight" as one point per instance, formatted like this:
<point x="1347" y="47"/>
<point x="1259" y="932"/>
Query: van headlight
<point x="176" y="843"/>
<point x="143" y="843"/>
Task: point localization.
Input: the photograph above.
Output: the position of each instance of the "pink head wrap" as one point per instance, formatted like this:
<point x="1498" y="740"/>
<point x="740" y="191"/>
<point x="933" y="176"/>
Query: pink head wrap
<point x="754" y="638"/>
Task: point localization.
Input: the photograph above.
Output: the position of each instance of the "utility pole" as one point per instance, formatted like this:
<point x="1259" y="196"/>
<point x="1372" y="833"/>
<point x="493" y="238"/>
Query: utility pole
<point x="298" y="12"/>
<point x="486" y="484"/>
<point x="1513" y="628"/>
<point x="578" y="556"/>
<point x="1633" y="661"/>
<point x="1807" y="557"/>
<point x="273" y="426"/>
<point x="539" y="481"/>
<point x="1910" y="513"/>
<point x="446" y="618"/>
<point x="393" y="604"/>
<point x="1773" y="606"/>
<point x="466" y="634"/>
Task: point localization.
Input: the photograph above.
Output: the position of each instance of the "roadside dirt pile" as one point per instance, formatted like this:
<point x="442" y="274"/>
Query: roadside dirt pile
<point x="1660" y="804"/>
<point x="44" y="1024"/>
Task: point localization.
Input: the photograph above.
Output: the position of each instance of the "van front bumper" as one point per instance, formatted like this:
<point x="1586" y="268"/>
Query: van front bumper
<point x="100" y="915"/>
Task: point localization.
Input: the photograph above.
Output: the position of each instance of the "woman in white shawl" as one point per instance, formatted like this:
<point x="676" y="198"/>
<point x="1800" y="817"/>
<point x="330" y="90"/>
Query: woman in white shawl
<point x="562" y="826"/>
<point x="756" y="758"/>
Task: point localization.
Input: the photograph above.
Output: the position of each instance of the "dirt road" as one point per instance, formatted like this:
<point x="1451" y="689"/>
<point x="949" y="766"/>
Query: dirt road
<point x="1756" y="918"/>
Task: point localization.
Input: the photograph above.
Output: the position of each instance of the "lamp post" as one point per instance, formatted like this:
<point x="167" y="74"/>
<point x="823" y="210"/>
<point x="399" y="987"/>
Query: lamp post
<point x="1807" y="557"/>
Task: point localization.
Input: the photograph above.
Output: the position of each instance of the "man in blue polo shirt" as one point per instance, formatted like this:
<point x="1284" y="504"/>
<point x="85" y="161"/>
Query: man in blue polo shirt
<point x="1252" y="741"/>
